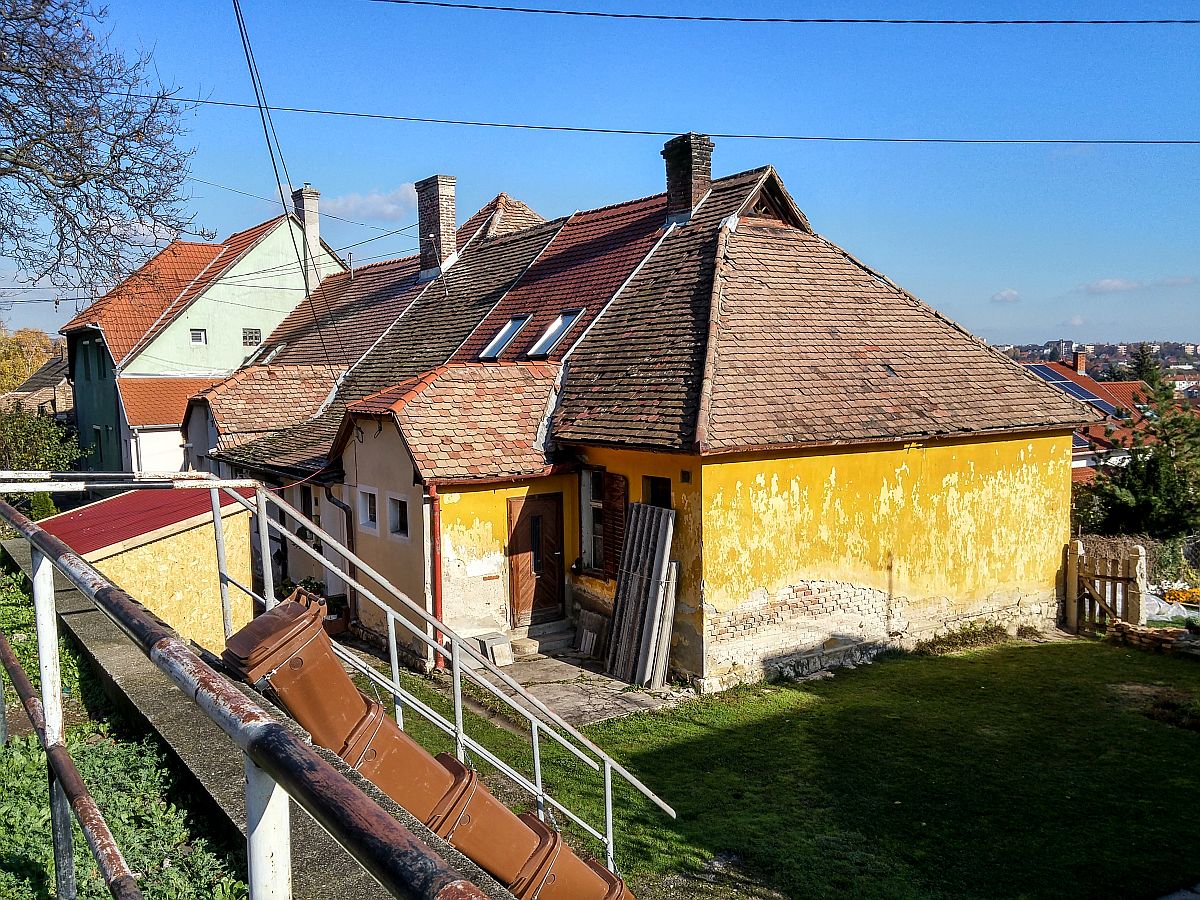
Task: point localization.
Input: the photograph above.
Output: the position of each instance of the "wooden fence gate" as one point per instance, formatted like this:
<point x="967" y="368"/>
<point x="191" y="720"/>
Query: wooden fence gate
<point x="1102" y="589"/>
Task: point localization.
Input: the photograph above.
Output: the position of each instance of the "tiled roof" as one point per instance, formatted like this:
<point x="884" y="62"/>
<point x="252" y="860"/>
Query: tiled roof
<point x="469" y="421"/>
<point x="131" y="515"/>
<point x="501" y="215"/>
<point x="1127" y="396"/>
<point x="137" y="310"/>
<point x="443" y="314"/>
<point x="51" y="373"/>
<point x="589" y="258"/>
<point x="259" y="400"/>
<point x="812" y="347"/>
<point x="150" y="400"/>
<point x="128" y="311"/>
<point x="635" y="378"/>
<point x="344" y="316"/>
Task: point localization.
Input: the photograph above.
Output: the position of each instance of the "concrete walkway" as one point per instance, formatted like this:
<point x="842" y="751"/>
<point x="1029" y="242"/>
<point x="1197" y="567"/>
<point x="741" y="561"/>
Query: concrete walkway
<point x="577" y="689"/>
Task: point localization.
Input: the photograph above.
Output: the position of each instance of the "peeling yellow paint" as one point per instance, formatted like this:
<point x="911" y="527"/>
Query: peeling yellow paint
<point x="960" y="520"/>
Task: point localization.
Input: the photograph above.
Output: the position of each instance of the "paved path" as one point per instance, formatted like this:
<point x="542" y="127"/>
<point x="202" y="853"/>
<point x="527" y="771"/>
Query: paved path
<point x="577" y="690"/>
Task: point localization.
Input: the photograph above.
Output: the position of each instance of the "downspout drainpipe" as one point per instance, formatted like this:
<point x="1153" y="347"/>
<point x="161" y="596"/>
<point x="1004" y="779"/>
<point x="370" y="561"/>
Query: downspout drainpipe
<point x="435" y="565"/>
<point x="351" y="569"/>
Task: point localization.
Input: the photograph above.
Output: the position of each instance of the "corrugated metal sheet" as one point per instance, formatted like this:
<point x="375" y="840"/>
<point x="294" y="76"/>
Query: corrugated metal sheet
<point x="641" y="591"/>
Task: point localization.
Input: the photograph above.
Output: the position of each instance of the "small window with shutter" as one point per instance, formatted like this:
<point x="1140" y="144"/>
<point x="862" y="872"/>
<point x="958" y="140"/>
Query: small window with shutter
<point x="603" y="496"/>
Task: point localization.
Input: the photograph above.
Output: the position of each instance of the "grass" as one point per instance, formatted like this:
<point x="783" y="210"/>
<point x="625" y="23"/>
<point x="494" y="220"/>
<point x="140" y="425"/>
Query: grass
<point x="1015" y="770"/>
<point x="128" y="776"/>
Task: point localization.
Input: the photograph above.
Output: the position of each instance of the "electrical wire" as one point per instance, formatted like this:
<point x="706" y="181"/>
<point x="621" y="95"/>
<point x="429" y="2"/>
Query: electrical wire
<point x="772" y="20"/>
<point x="272" y="201"/>
<point x="722" y="135"/>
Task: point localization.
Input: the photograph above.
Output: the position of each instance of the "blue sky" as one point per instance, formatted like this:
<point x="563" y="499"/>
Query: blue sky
<point x="1018" y="243"/>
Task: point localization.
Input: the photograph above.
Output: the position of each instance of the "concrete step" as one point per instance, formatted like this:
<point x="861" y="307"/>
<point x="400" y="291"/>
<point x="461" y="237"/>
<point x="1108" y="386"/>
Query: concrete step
<point x="544" y="638"/>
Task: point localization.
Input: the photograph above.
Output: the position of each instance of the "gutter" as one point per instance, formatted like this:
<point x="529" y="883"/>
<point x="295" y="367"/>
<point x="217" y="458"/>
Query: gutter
<point x="351" y="569"/>
<point x="435" y="565"/>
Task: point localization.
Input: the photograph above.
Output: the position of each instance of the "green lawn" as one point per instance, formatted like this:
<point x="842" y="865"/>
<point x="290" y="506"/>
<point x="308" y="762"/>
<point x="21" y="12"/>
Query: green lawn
<point x="1019" y="770"/>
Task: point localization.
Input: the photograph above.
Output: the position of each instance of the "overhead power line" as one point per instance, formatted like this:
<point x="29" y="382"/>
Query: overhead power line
<point x="771" y="20"/>
<point x="274" y="201"/>
<point x="722" y="135"/>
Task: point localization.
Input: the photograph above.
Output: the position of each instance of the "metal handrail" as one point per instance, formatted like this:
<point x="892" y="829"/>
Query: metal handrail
<point x="277" y="760"/>
<point x="542" y="719"/>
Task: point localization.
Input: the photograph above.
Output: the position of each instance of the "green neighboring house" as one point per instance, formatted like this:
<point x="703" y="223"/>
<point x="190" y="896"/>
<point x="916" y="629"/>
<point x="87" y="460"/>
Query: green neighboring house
<point x="185" y="320"/>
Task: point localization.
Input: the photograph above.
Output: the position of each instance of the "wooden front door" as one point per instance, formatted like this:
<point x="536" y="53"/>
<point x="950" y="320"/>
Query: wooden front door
<point x="535" y="558"/>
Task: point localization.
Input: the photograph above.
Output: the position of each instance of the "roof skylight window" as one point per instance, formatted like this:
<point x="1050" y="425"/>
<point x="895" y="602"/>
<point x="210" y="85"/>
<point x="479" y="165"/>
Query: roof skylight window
<point x="550" y="338"/>
<point x="504" y="337"/>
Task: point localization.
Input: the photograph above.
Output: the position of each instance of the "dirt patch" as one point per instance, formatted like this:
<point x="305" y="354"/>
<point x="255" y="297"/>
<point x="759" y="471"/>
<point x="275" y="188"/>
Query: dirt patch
<point x="723" y="878"/>
<point x="1168" y="705"/>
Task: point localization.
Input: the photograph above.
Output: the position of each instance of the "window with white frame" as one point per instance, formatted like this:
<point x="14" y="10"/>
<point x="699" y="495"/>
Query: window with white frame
<point x="397" y="517"/>
<point x="504" y="337"/>
<point x="251" y="337"/>
<point x="368" y="509"/>
<point x="199" y="336"/>
<point x="591" y="483"/>
<point x="552" y="335"/>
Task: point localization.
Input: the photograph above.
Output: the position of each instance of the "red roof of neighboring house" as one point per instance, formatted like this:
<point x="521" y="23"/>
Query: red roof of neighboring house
<point x="150" y="401"/>
<point x="1083" y="475"/>
<point x="1127" y="396"/>
<point x="131" y="515"/>
<point x="140" y="307"/>
<point x="128" y="310"/>
<point x="467" y="422"/>
<point x="582" y="268"/>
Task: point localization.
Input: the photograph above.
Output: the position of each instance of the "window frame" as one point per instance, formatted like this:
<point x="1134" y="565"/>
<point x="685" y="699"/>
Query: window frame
<point x="85" y="353"/>
<point x="587" y="533"/>
<point x="647" y="482"/>
<point x="363" y="492"/>
<point x="257" y="339"/>
<point x="552" y="340"/>
<point x="495" y="346"/>
<point x="392" y="497"/>
<point x="203" y="332"/>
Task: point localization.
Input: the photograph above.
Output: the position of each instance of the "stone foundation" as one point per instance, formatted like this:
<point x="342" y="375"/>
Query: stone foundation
<point x="816" y="625"/>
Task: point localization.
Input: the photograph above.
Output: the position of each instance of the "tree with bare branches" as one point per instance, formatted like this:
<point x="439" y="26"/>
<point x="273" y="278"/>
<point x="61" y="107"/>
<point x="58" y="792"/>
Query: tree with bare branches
<point x="91" y="168"/>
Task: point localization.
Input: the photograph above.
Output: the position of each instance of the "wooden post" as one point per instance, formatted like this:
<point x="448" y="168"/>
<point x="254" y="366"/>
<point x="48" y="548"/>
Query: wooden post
<point x="1135" y="570"/>
<point x="1071" y="588"/>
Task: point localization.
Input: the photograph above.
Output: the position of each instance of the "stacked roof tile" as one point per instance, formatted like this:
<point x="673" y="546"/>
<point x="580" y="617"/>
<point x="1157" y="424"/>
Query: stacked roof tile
<point x="469" y="422"/>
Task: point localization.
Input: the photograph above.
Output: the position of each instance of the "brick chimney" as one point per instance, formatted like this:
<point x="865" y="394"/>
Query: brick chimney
<point x="689" y="173"/>
<point x="436" y="223"/>
<point x="306" y="203"/>
<point x="1080" y="361"/>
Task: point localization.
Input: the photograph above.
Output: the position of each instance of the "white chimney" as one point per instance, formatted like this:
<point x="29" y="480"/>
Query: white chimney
<point x="306" y="201"/>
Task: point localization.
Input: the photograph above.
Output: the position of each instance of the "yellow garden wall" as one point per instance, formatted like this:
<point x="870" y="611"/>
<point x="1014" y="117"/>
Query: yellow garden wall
<point x="894" y="541"/>
<point x="175" y="577"/>
<point x="475" y="593"/>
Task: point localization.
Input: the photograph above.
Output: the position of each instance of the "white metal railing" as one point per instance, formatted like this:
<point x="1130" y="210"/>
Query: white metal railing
<point x="279" y="766"/>
<point x="466" y="660"/>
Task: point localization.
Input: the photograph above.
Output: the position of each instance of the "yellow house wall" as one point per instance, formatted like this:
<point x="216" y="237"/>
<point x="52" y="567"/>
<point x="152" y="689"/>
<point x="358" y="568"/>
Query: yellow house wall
<point x="916" y="536"/>
<point x="381" y="463"/>
<point x="687" y="649"/>
<point x="475" y="590"/>
<point x="175" y="577"/>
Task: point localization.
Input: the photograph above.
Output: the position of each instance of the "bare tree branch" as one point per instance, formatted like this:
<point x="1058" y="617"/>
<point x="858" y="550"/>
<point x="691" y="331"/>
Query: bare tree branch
<point x="90" y="158"/>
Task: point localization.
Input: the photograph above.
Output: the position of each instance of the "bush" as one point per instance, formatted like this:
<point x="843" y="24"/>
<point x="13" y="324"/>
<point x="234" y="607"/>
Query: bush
<point x="973" y="634"/>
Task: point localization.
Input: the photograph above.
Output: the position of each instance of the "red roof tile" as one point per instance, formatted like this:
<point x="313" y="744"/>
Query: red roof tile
<point x="125" y="313"/>
<point x="467" y="422"/>
<point x="261" y="399"/>
<point x="137" y="310"/>
<point x="152" y="400"/>
<point x="587" y="261"/>
<point x="131" y="515"/>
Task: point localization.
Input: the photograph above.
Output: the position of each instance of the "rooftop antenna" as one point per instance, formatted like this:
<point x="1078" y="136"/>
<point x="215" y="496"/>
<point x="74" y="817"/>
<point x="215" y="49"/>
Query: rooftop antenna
<point x="350" y="260"/>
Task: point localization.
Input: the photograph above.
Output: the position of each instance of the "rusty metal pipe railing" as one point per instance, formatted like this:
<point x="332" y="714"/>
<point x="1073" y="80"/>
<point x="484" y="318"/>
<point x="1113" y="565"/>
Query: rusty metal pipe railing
<point x="113" y="869"/>
<point x="389" y="852"/>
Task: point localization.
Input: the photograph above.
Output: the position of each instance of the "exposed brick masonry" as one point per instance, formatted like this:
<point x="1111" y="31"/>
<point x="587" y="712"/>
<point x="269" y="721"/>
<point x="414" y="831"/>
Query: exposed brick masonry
<point x="689" y="171"/>
<point x="436" y="220"/>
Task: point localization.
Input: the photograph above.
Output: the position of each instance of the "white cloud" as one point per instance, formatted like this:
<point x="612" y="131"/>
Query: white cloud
<point x="1176" y="281"/>
<point x="1008" y="295"/>
<point x="1110" y="286"/>
<point x="1074" y="322"/>
<point x="393" y="206"/>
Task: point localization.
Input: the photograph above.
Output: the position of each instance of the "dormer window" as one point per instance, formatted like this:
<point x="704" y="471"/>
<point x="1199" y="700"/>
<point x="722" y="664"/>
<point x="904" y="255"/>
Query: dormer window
<point x="559" y="327"/>
<point x="504" y="337"/>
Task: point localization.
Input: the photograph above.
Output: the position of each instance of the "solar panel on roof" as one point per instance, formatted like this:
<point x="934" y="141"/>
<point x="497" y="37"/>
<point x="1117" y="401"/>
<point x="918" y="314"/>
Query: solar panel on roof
<point x="1079" y="443"/>
<point x="1078" y="391"/>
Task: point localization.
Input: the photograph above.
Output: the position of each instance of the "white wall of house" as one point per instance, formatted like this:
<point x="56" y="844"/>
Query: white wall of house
<point x="256" y="294"/>
<point x="158" y="449"/>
